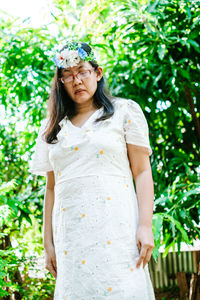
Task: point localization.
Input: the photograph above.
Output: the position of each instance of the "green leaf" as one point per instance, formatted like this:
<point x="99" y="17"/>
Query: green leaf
<point x="161" y="51"/>
<point x="194" y="44"/>
<point x="179" y="227"/>
<point x="157" y="225"/>
<point x="184" y="73"/>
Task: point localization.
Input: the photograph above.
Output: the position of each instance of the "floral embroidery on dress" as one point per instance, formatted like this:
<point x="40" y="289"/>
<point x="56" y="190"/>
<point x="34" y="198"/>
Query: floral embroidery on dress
<point x="83" y="262"/>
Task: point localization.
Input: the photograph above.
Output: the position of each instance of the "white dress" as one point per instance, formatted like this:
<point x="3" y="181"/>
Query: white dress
<point x="95" y="213"/>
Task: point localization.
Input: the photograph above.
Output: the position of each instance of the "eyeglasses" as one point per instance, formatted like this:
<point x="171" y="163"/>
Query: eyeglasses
<point x="80" y="75"/>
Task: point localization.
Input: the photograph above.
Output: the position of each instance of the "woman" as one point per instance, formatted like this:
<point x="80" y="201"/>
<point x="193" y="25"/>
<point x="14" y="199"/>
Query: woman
<point x="97" y="233"/>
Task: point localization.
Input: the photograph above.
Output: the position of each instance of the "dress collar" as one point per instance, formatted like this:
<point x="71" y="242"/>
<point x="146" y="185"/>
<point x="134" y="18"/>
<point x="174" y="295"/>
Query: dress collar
<point x="66" y="119"/>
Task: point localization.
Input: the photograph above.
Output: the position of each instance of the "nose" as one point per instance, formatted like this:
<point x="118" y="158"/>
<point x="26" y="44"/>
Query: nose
<point x="76" y="80"/>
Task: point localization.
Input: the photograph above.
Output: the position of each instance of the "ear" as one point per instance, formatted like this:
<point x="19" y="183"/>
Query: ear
<point x="99" y="73"/>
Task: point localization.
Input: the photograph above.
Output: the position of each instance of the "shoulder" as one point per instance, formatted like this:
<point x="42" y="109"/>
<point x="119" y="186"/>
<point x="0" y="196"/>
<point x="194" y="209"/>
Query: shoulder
<point x="44" y="124"/>
<point x="42" y="129"/>
<point x="125" y="105"/>
<point x="130" y="112"/>
<point x="118" y="101"/>
<point x="45" y="121"/>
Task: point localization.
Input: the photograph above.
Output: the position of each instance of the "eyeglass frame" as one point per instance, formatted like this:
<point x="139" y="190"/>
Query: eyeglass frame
<point x="75" y="75"/>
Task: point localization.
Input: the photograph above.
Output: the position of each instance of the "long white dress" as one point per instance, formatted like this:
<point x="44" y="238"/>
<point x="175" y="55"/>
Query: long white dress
<point x="95" y="213"/>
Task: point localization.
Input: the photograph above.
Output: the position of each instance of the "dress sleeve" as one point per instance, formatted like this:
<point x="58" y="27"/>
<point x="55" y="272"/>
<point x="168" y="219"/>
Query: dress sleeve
<point x="39" y="163"/>
<point x="136" y="127"/>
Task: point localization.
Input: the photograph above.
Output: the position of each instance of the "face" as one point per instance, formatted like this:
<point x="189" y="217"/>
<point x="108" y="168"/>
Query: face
<point x="87" y="85"/>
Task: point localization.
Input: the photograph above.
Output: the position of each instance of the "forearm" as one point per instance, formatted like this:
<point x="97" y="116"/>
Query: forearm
<point x="47" y="217"/>
<point x="145" y="196"/>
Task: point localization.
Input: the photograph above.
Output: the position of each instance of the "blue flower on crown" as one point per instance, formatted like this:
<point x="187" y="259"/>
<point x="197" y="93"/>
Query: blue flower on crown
<point x="56" y="61"/>
<point x="82" y="53"/>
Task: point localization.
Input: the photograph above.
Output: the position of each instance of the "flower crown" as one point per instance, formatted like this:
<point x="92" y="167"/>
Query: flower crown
<point x="71" y="55"/>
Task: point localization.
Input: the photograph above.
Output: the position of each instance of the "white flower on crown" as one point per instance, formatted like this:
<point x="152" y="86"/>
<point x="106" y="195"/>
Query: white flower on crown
<point x="69" y="58"/>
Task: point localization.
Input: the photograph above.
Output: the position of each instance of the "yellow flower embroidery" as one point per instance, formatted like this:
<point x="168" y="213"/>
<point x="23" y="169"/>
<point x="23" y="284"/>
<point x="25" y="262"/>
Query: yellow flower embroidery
<point x="87" y="130"/>
<point x="76" y="148"/>
<point x="65" y="134"/>
<point x="65" y="298"/>
<point x="83" y="262"/>
<point x="65" y="252"/>
<point x="59" y="173"/>
<point x="108" y="198"/>
<point x="64" y="209"/>
<point x="108" y="242"/>
<point x="83" y="215"/>
<point x="101" y="151"/>
<point x="127" y="184"/>
<point x="131" y="269"/>
<point x="129" y="121"/>
<point x="109" y="289"/>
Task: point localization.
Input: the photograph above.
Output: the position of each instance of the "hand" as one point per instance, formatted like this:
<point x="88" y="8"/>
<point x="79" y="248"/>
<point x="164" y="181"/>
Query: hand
<point x="50" y="260"/>
<point x="145" y="243"/>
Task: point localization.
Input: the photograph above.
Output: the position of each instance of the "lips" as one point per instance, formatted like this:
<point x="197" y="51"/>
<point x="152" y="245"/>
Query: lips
<point x="78" y="91"/>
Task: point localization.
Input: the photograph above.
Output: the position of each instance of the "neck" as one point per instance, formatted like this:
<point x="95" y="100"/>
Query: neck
<point x="83" y="108"/>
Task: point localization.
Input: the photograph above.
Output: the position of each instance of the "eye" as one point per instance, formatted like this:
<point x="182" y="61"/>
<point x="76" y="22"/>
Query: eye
<point x="65" y="71"/>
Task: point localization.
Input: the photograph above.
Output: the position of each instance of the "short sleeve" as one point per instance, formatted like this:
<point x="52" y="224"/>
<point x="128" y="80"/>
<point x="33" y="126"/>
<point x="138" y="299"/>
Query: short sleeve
<point x="40" y="163"/>
<point x="136" y="128"/>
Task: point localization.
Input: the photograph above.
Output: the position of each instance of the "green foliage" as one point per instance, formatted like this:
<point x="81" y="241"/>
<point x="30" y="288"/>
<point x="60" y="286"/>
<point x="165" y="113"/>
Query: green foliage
<point x="16" y="260"/>
<point x="26" y="74"/>
<point x="28" y="287"/>
<point x="8" y="261"/>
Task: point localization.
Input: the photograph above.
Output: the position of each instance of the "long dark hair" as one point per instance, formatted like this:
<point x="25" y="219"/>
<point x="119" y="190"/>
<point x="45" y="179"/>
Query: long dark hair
<point x="61" y="105"/>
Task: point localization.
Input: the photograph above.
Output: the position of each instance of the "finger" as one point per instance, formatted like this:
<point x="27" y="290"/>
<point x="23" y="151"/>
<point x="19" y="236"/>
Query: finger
<point x="51" y="269"/>
<point x="142" y="256"/>
<point x="54" y="274"/>
<point x="54" y="267"/>
<point x="147" y="257"/>
<point x="54" y="264"/>
<point x="139" y="246"/>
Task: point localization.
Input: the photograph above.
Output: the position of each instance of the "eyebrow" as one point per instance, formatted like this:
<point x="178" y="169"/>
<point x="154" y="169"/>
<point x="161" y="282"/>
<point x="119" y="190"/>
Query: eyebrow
<point x="78" y="68"/>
